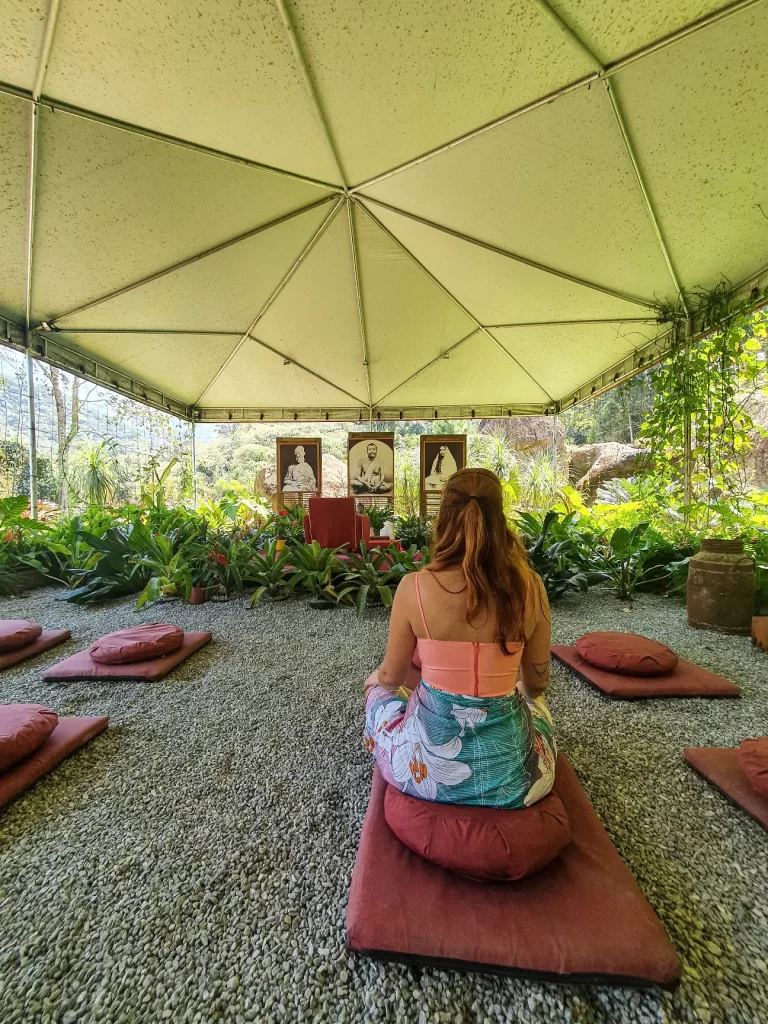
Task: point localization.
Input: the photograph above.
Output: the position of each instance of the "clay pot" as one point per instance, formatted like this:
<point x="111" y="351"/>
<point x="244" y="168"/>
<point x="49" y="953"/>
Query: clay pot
<point x="197" y="595"/>
<point x="721" y="587"/>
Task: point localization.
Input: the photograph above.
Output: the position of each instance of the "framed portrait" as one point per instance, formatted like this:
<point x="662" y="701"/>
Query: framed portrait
<point x="442" y="455"/>
<point x="371" y="465"/>
<point x="299" y="465"/>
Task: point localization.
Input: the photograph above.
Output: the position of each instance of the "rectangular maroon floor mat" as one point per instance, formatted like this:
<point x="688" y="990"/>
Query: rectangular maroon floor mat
<point x="69" y="735"/>
<point x="581" y="919"/>
<point x="720" y="766"/>
<point x="82" y="665"/>
<point x="48" y="638"/>
<point x="688" y="680"/>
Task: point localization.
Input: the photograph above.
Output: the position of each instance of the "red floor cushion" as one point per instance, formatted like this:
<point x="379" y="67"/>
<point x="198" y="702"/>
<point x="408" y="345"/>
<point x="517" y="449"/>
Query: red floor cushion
<point x="17" y="633"/>
<point x="23" y="728"/>
<point x="484" y="843"/>
<point x="137" y="643"/>
<point x="753" y="761"/>
<point x="626" y="653"/>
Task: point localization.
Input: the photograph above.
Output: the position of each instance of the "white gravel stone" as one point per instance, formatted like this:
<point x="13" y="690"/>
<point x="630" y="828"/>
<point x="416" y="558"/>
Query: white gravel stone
<point x="193" y="863"/>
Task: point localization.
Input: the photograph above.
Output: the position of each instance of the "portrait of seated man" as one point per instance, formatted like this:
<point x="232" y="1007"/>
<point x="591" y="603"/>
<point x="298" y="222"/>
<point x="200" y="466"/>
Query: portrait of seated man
<point x="299" y="476"/>
<point x="371" y="471"/>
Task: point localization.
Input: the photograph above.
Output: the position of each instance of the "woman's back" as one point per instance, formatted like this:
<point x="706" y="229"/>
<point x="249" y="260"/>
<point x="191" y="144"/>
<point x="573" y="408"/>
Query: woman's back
<point x="477" y="615"/>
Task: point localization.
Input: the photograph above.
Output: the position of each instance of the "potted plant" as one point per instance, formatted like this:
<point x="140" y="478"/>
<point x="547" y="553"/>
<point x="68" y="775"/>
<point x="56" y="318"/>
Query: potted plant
<point x="378" y="517"/>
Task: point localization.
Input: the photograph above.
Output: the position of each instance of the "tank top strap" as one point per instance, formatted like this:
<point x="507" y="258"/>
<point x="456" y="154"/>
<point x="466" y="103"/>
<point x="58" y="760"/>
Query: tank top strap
<point x="421" y="606"/>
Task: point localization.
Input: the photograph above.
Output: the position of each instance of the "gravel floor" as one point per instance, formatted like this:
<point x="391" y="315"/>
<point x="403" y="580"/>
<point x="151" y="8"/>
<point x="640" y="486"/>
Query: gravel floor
<point x="193" y="863"/>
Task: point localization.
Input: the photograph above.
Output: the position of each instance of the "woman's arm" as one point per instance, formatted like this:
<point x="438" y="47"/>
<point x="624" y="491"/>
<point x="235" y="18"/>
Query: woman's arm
<point x="534" y="667"/>
<point x="401" y="642"/>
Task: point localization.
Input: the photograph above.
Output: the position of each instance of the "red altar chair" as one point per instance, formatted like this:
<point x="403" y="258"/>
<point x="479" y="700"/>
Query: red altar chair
<point x="333" y="523"/>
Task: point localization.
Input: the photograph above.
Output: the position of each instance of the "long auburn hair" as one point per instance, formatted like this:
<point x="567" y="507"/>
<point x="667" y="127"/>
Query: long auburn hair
<point x="472" y="534"/>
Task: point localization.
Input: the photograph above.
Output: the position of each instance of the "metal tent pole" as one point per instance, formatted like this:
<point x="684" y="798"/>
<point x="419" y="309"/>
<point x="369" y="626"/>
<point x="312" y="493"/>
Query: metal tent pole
<point x="687" y="423"/>
<point x="32" y="436"/>
<point x="554" y="446"/>
<point x="194" y="464"/>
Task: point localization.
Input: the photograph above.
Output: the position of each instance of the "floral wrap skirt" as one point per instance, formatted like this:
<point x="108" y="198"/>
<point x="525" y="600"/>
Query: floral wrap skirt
<point x="483" y="751"/>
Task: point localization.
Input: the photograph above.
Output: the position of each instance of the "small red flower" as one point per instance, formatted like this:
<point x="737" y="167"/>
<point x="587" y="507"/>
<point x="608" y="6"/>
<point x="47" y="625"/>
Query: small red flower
<point x="221" y="559"/>
<point x="283" y="512"/>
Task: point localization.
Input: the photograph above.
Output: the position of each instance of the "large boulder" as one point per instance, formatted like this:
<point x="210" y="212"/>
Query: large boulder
<point x="528" y="434"/>
<point x="591" y="465"/>
<point x="334" y="477"/>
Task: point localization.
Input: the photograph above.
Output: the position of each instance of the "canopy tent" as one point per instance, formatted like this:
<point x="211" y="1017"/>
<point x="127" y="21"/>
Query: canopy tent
<point x="290" y="209"/>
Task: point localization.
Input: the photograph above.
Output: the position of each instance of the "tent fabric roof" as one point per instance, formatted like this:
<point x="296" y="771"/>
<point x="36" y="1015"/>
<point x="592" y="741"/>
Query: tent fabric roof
<point x="291" y="209"/>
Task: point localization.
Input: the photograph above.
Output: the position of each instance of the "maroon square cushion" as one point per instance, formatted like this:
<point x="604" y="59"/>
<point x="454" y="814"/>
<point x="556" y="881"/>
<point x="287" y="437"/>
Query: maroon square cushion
<point x="69" y="735"/>
<point x="720" y="766"/>
<point x="480" y="842"/>
<point x="626" y="653"/>
<point x="17" y="633"/>
<point x="753" y="761"/>
<point x="582" y="918"/>
<point x="686" y="680"/>
<point x="23" y="728"/>
<point x="137" y="643"/>
<point x="82" y="665"/>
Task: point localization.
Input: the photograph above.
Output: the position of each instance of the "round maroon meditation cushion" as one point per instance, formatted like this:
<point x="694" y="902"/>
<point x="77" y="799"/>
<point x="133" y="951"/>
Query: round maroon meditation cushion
<point x="753" y="761"/>
<point x="17" y="633"/>
<point x="626" y="654"/>
<point x="484" y="843"/>
<point x="23" y="728"/>
<point x="137" y="643"/>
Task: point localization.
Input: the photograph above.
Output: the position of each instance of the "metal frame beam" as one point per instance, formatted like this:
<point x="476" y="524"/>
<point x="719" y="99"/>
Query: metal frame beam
<point x="281" y="285"/>
<point x="579" y="44"/>
<point x="311" y="88"/>
<point x="58" y="106"/>
<point x="443" y="355"/>
<point x="516" y="257"/>
<point x="451" y="296"/>
<point x="458" y="302"/>
<point x="580" y="323"/>
<point x="360" y="413"/>
<point x="607" y="71"/>
<point x="359" y="295"/>
<point x="51" y="349"/>
<point x="181" y="264"/>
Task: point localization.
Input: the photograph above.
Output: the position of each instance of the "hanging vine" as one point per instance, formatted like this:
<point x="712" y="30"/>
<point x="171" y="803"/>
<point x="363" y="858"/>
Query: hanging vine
<point x="707" y="382"/>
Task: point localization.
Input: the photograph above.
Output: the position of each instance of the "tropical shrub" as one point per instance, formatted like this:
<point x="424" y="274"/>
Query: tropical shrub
<point x="556" y="550"/>
<point x="413" y="530"/>
<point x="270" y="571"/>
<point x="368" y="577"/>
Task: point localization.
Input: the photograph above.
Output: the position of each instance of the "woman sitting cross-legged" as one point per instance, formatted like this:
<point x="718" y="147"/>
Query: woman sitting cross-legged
<point x="476" y="730"/>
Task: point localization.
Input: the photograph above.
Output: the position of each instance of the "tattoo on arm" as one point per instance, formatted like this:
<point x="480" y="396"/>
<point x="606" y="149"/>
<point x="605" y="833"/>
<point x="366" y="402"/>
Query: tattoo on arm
<point x="541" y="668"/>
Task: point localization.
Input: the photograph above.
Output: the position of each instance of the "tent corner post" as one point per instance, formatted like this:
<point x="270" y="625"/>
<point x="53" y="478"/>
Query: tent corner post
<point x="687" y="419"/>
<point x="194" y="461"/>
<point x="32" y="432"/>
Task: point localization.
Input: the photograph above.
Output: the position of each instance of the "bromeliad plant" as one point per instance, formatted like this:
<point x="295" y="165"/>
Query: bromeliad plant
<point x="315" y="570"/>
<point x="369" y="577"/>
<point x="272" y="573"/>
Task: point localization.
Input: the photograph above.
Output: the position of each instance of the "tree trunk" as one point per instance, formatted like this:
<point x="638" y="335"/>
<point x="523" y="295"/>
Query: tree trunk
<point x="64" y="435"/>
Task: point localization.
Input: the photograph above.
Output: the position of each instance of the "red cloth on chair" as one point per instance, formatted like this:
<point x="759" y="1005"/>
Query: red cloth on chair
<point x="333" y="522"/>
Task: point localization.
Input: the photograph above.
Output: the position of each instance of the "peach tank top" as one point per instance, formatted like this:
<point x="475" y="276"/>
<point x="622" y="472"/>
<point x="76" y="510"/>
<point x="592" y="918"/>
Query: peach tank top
<point x="465" y="667"/>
